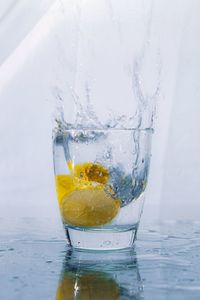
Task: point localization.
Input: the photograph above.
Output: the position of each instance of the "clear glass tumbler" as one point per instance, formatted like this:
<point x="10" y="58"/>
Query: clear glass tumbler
<point x="101" y="176"/>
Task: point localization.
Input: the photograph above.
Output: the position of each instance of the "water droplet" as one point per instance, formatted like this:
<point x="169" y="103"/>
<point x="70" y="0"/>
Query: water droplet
<point x="49" y="261"/>
<point x="107" y="243"/>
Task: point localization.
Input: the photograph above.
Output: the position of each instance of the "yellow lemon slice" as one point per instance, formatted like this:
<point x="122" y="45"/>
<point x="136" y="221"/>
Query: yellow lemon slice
<point x="89" y="208"/>
<point x="90" y="171"/>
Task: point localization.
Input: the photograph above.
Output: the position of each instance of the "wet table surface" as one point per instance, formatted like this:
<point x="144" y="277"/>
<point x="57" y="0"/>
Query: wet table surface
<point x="35" y="263"/>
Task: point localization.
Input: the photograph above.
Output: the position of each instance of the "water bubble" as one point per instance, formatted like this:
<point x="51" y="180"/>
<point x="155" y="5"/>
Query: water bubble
<point x="107" y="243"/>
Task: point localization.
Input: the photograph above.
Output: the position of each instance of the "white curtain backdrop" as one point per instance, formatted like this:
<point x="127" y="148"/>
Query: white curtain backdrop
<point x="28" y="69"/>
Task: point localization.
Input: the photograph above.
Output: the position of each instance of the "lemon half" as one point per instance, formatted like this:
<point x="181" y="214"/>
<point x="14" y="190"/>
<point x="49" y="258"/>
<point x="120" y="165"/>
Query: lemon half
<point x="89" y="208"/>
<point x="82" y="195"/>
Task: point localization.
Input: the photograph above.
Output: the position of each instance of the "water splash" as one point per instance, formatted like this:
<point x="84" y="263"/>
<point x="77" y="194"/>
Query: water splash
<point x="143" y="66"/>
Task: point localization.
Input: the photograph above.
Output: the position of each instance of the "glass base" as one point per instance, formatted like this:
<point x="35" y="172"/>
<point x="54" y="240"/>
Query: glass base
<point x="101" y="240"/>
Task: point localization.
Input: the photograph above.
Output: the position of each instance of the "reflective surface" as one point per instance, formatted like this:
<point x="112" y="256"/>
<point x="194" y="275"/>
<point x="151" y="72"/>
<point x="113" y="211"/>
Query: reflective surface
<point x="36" y="264"/>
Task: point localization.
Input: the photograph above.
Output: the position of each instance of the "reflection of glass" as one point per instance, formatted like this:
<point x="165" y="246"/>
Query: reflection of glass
<point x="93" y="276"/>
<point x="101" y="177"/>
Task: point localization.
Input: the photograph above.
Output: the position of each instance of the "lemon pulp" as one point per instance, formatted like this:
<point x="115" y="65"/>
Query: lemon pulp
<point x="65" y="184"/>
<point x="89" y="208"/>
<point x="91" y="172"/>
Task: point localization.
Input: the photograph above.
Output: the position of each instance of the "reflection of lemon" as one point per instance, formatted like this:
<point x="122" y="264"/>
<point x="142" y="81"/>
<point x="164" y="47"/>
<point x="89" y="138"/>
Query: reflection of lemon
<point x="87" y="286"/>
<point x="89" y="208"/>
<point x="91" y="172"/>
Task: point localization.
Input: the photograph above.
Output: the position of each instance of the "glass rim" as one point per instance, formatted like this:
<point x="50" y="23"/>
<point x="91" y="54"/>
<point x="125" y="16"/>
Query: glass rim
<point x="63" y="130"/>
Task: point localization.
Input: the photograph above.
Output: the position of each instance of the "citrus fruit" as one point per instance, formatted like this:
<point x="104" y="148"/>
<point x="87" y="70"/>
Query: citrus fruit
<point x="89" y="208"/>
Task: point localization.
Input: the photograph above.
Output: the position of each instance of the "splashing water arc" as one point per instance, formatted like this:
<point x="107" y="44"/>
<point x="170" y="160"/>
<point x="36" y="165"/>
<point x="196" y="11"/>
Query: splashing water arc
<point x="116" y="85"/>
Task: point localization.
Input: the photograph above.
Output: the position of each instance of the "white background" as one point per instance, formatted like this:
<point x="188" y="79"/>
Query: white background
<point x="27" y="60"/>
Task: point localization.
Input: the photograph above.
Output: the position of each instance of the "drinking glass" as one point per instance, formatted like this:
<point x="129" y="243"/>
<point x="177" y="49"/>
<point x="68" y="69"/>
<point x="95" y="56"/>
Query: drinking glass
<point x="101" y="177"/>
<point x="106" y="87"/>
